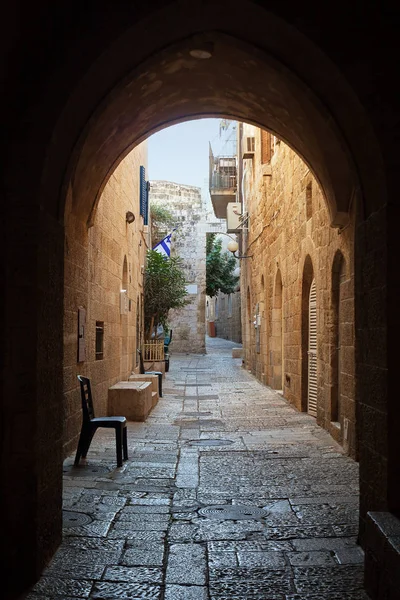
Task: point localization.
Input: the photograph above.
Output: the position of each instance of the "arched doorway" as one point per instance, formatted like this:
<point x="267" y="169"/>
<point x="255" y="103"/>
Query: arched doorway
<point x="83" y="115"/>
<point x="277" y="334"/>
<point x="247" y="330"/>
<point x="312" y="389"/>
<point x="306" y="343"/>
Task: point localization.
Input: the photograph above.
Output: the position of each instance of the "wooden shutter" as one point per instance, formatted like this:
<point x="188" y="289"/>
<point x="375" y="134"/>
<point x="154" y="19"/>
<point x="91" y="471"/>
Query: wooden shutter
<point x="144" y="195"/>
<point x="266" y="146"/>
<point x="312" y="351"/>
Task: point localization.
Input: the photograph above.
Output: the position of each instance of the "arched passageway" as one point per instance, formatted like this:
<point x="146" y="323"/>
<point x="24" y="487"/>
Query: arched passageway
<point x="110" y="81"/>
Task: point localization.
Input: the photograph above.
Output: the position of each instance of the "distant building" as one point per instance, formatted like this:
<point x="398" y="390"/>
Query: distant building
<point x="223" y="311"/>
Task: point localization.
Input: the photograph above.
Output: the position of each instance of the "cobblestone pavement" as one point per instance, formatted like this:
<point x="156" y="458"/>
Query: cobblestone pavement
<point x="229" y="494"/>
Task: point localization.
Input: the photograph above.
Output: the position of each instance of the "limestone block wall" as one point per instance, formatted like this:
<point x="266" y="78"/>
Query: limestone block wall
<point x="99" y="263"/>
<point x="293" y="244"/>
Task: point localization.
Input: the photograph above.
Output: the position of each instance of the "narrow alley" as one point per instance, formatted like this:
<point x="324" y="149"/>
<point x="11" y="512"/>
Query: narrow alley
<point x="228" y="493"/>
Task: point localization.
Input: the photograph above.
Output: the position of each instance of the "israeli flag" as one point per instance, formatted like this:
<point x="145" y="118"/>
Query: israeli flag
<point x="164" y="247"/>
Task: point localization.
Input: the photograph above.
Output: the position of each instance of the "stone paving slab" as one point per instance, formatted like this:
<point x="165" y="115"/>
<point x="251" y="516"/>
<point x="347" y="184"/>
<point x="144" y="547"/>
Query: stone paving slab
<point x="217" y="437"/>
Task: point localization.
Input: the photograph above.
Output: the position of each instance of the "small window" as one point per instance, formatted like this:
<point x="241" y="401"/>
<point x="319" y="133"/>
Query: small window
<point x="249" y="147"/>
<point x="251" y="144"/>
<point x="309" y="201"/>
<point x="99" y="340"/>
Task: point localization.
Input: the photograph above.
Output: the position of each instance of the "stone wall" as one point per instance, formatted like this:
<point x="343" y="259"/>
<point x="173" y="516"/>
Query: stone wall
<point x="194" y="217"/>
<point x="291" y="244"/>
<point x="99" y="263"/>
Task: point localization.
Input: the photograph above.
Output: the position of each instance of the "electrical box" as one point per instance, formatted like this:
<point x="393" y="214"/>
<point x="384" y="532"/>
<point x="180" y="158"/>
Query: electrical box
<point x="124" y="303"/>
<point x="233" y="213"/>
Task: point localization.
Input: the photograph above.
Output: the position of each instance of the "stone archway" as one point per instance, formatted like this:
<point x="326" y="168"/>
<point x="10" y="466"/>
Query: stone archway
<point x="173" y="86"/>
<point x="106" y="85"/>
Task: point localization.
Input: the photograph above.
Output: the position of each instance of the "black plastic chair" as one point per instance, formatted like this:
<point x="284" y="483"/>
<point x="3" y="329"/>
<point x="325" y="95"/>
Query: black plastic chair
<point x="90" y="423"/>
<point x="167" y="340"/>
<point x="143" y="372"/>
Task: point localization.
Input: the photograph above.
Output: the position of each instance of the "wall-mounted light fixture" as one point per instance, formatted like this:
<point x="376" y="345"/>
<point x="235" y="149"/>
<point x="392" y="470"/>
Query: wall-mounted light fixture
<point x="201" y="47"/>
<point x="130" y="217"/>
<point x="203" y="52"/>
<point x="233" y="247"/>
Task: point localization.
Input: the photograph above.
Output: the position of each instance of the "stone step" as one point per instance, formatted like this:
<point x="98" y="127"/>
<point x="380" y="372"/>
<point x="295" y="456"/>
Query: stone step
<point x="131" y="399"/>
<point x="152" y="378"/>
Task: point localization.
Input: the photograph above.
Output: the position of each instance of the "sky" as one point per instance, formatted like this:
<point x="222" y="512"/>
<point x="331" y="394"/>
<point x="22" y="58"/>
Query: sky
<point x="180" y="153"/>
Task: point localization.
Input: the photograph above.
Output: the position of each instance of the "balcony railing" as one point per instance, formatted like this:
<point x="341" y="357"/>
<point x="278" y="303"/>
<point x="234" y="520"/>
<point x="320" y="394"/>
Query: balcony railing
<point x="222" y="181"/>
<point x="153" y="350"/>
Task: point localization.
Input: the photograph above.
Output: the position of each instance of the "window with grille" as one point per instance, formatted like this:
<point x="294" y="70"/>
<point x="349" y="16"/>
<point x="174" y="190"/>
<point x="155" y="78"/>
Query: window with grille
<point x="309" y="201"/>
<point x="266" y="147"/>
<point x="144" y="196"/>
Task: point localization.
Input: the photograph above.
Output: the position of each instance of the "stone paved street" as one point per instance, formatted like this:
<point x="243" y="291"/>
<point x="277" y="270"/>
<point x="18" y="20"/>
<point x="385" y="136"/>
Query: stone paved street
<point x="228" y="494"/>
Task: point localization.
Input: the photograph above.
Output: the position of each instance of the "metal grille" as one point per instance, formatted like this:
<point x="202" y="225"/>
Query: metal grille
<point x="153" y="350"/>
<point x="75" y="519"/>
<point x="312" y="352"/>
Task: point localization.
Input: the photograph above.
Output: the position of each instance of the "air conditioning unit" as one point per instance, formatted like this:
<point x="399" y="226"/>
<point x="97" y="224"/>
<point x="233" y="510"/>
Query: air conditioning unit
<point x="249" y="147"/>
<point x="123" y="303"/>
<point x="233" y="214"/>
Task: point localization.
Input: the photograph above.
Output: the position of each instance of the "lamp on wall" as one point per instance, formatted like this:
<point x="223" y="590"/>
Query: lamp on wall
<point x="201" y="47"/>
<point x="130" y="217"/>
<point x="233" y="247"/>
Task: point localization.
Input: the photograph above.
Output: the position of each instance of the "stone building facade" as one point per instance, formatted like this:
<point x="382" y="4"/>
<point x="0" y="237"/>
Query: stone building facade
<point x="194" y="218"/>
<point x="102" y="322"/>
<point x="297" y="287"/>
<point x="188" y="242"/>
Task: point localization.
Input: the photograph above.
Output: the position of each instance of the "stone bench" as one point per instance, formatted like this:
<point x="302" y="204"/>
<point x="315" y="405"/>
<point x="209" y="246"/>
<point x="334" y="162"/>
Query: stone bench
<point x="237" y="352"/>
<point x="130" y="399"/>
<point x="153" y="379"/>
<point x="155" y="365"/>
